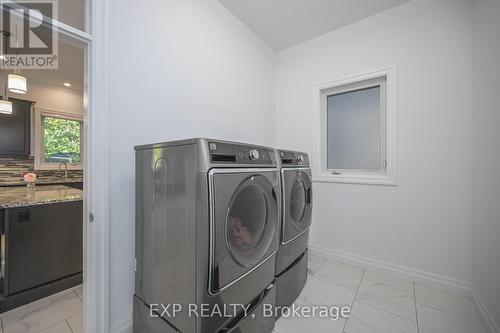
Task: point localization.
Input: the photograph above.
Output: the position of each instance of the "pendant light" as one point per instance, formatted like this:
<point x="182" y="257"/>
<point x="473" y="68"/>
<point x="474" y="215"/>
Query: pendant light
<point x="17" y="83"/>
<point x="5" y="104"/>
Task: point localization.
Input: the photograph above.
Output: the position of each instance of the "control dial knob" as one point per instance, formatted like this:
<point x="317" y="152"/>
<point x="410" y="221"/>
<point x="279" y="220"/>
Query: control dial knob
<point x="300" y="158"/>
<point x="254" y="154"/>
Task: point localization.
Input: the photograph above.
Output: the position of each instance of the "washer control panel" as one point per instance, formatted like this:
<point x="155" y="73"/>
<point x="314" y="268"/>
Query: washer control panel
<point x="228" y="153"/>
<point x="254" y="154"/>
<point x="288" y="157"/>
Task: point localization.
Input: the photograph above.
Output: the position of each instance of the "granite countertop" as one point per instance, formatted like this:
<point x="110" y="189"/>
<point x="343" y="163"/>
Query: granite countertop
<point x="20" y="182"/>
<point x="20" y="196"/>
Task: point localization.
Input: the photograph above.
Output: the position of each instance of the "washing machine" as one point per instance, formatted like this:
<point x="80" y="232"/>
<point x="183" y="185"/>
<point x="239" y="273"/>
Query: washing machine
<point x="292" y="257"/>
<point x="207" y="215"/>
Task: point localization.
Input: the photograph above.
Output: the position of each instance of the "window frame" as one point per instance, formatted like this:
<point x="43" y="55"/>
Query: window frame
<point x="40" y="163"/>
<point x="387" y="173"/>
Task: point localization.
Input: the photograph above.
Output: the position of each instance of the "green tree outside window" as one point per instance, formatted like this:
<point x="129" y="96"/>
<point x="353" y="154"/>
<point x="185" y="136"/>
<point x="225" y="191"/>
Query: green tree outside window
<point x="62" y="141"/>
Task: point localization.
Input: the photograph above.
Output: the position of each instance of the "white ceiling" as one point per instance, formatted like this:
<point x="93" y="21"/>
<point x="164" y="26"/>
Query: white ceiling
<point x="283" y="23"/>
<point x="71" y="69"/>
<point x="71" y="60"/>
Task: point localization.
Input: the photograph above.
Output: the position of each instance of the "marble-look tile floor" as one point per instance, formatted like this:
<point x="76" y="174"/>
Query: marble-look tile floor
<point x="59" y="313"/>
<point x="380" y="304"/>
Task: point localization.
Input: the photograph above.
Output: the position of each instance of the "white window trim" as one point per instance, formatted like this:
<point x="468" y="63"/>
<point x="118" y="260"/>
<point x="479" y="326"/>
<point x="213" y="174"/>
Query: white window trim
<point x="39" y="163"/>
<point x="321" y="91"/>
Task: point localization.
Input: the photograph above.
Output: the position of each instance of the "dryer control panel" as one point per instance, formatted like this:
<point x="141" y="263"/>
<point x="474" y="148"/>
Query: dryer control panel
<point x="229" y="153"/>
<point x="293" y="158"/>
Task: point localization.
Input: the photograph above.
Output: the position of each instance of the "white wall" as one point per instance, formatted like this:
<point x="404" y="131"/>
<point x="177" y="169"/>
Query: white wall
<point x="486" y="154"/>
<point x="178" y="68"/>
<point x="424" y="222"/>
<point x="53" y="98"/>
<point x="184" y="68"/>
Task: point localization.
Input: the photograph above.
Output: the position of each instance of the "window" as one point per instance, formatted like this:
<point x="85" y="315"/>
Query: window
<point x="356" y="132"/>
<point x="59" y="141"/>
<point x="355" y="138"/>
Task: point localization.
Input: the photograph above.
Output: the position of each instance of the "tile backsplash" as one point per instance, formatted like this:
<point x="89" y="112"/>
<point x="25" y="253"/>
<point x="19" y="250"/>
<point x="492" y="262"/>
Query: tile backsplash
<point x="12" y="169"/>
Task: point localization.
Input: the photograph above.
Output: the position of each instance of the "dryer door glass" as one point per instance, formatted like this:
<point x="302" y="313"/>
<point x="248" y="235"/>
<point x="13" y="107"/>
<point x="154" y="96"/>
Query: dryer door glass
<point x="298" y="203"/>
<point x="248" y="231"/>
<point x="298" y="196"/>
<point x="243" y="223"/>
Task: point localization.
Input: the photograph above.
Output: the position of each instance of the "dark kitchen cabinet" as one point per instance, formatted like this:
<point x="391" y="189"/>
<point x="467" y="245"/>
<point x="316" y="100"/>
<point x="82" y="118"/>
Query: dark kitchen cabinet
<point x="2" y="221"/>
<point x="15" y="129"/>
<point x="44" y="243"/>
<point x="78" y="186"/>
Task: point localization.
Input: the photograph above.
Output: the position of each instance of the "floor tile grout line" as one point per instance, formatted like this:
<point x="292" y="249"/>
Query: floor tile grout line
<point x="470" y="298"/>
<point x="357" y="269"/>
<point x="319" y="266"/>
<point x="398" y="289"/>
<point x="333" y="283"/>
<point x="413" y="291"/>
<point x="352" y="268"/>
<point x="340" y="263"/>
<point x="78" y="296"/>
<point x="354" y="299"/>
<point x="67" y="323"/>
<point x="413" y="285"/>
<point x="386" y="311"/>
<point x="416" y="308"/>
<point x="46" y="306"/>
<point x="385" y="284"/>
<point x="51" y="325"/>
<point x="451" y="314"/>
<point x="444" y="311"/>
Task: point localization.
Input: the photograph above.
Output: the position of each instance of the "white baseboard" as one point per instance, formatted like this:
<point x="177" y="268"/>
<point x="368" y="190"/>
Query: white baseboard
<point x="437" y="281"/>
<point x="428" y="279"/>
<point x="124" y="326"/>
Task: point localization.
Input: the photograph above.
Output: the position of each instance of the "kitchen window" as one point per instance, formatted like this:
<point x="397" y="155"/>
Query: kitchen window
<point x="60" y="141"/>
<point x="356" y="130"/>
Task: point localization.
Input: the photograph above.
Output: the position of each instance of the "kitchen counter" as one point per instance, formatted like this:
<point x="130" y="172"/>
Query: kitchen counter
<point x="45" y="181"/>
<point x="20" y="196"/>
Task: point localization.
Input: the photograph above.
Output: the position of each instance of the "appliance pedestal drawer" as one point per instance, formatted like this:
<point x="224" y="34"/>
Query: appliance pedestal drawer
<point x="290" y="283"/>
<point x="256" y="321"/>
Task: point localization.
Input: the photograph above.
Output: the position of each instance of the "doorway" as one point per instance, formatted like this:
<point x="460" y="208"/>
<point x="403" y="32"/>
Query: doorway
<point x="73" y="25"/>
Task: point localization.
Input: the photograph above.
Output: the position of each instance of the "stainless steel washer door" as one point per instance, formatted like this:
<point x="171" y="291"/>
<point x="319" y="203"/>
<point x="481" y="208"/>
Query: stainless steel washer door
<point x="297" y="202"/>
<point x="243" y="222"/>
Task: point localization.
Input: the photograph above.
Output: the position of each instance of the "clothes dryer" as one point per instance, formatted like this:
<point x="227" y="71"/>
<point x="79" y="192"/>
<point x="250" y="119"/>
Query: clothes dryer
<point x="296" y="214"/>
<point x="207" y="214"/>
